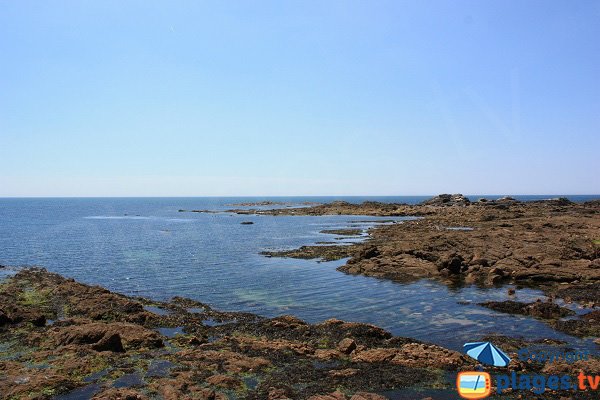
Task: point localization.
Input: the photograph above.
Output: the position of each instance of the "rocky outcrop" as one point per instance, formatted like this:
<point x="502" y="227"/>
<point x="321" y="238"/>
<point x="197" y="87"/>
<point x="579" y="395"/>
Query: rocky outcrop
<point x="584" y="326"/>
<point x="107" y="336"/>
<point x="538" y="309"/>
<point x="551" y="244"/>
<point x="447" y="200"/>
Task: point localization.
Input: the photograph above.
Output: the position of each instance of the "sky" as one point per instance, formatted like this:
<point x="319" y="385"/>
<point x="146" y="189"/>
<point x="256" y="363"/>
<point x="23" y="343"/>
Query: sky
<point x="234" y="98"/>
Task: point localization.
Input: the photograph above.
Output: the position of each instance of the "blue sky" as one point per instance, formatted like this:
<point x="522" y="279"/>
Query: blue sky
<point x="184" y="98"/>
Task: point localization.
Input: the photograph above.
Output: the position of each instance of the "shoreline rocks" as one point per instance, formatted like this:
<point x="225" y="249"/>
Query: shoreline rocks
<point x="96" y="340"/>
<point x="550" y="244"/>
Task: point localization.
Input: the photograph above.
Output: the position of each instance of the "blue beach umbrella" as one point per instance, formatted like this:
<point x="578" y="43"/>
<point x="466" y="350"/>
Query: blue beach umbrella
<point x="487" y="353"/>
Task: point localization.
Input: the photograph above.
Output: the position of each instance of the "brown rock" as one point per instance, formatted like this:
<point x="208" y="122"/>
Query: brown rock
<point x="279" y="394"/>
<point x="169" y="392"/>
<point x="130" y="335"/>
<point x="120" y="394"/>
<point x="346" y="346"/>
<point x="109" y="342"/>
<point x="367" y="396"/>
<point x="224" y="381"/>
<point x="343" y="373"/>
<point x="337" y="395"/>
<point x="376" y="355"/>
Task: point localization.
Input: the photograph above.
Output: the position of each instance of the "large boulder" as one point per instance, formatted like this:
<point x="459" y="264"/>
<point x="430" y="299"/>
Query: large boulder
<point x="107" y="336"/>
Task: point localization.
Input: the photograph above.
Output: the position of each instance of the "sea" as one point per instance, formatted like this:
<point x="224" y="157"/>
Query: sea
<point x="147" y="247"/>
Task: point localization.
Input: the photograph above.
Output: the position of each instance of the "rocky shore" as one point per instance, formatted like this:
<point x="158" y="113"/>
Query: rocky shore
<point x="59" y="338"/>
<point x="67" y="340"/>
<point x="552" y="244"/>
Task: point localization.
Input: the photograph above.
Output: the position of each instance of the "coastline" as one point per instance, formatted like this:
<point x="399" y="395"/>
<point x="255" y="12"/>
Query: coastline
<point x="553" y="244"/>
<point x="59" y="337"/>
<point x="64" y="338"/>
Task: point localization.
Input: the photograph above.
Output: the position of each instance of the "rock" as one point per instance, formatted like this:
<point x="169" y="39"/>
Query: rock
<point x="376" y="355"/>
<point x="337" y="395"/>
<point x="453" y="263"/>
<point x="4" y="319"/>
<point x="279" y="394"/>
<point x="560" y="201"/>
<point x="107" y="336"/>
<point x="547" y="310"/>
<point x="368" y="252"/>
<point x="506" y="199"/>
<point x="447" y="200"/>
<point x="109" y="342"/>
<point x="538" y="309"/>
<point x="343" y="373"/>
<point x="196" y="341"/>
<point x="367" y="396"/>
<point x="232" y="362"/>
<point x="120" y="394"/>
<point x="224" y="381"/>
<point x="346" y="346"/>
<point x="493" y="279"/>
<point x="511" y="292"/>
<point x="247" y="223"/>
<point x="586" y="325"/>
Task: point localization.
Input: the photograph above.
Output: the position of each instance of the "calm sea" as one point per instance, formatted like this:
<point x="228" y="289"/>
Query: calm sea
<point x="144" y="246"/>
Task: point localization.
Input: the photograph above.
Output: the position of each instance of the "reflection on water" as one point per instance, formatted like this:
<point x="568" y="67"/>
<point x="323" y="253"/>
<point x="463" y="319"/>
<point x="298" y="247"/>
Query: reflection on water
<point x="213" y="259"/>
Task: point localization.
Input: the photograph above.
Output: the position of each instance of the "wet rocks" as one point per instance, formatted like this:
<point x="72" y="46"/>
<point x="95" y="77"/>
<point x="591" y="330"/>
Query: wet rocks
<point x="367" y="253"/>
<point x="324" y="253"/>
<point x="547" y="244"/>
<point x="586" y="325"/>
<point x="585" y="293"/>
<point x="371" y="208"/>
<point x="538" y="309"/>
<point x="344" y="232"/>
<point x="249" y="357"/>
<point x="413" y="354"/>
<point x="452" y="264"/>
<point x="120" y="394"/>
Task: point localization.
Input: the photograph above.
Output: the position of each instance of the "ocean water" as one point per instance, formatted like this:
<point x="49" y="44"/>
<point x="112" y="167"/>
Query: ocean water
<point x="145" y="247"/>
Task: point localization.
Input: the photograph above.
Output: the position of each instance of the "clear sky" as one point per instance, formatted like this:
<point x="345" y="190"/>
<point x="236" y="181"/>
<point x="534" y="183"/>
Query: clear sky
<point x="176" y="98"/>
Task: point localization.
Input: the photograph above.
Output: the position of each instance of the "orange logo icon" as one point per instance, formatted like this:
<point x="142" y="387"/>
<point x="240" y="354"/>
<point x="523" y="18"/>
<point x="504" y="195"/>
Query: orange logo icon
<point x="473" y="385"/>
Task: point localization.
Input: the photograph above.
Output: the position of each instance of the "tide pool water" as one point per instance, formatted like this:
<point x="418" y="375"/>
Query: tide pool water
<point x="145" y="247"/>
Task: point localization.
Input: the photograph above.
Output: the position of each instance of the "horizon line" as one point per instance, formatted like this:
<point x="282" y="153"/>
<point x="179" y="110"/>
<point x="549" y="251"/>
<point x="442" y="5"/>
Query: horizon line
<point x="553" y="195"/>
